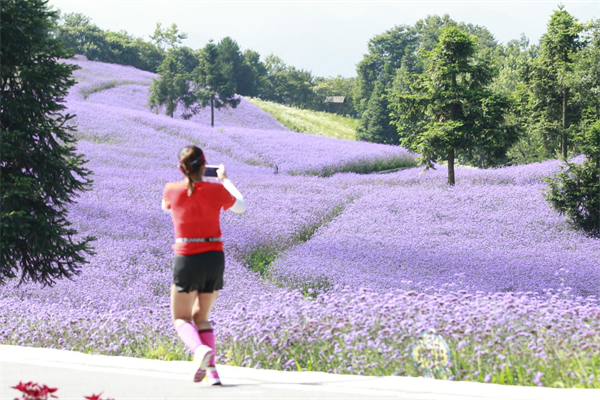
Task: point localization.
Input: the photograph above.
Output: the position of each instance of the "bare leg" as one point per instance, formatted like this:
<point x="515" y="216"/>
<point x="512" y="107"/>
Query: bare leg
<point x="201" y="309"/>
<point x="181" y="306"/>
<point x="181" y="313"/>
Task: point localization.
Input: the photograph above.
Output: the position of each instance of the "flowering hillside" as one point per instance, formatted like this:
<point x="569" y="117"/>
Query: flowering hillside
<point x="329" y="269"/>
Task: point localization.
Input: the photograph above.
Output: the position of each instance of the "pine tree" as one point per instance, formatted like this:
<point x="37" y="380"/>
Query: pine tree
<point x="171" y="88"/>
<point x="551" y="82"/>
<point x="41" y="173"/>
<point x="375" y="125"/>
<point x="575" y="190"/>
<point x="213" y="82"/>
<point x="449" y="111"/>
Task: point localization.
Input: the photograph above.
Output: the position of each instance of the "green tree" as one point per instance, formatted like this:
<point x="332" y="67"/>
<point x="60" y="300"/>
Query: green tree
<point x="83" y="37"/>
<point x="168" y="37"/>
<point x="188" y="58"/>
<point x="587" y="78"/>
<point x="449" y="111"/>
<point x="375" y="126"/>
<point x="231" y="57"/>
<point x="335" y="86"/>
<point x="575" y="191"/>
<point x="213" y="82"/>
<point x="41" y="173"/>
<point x="253" y="75"/>
<point x="385" y="54"/>
<point x="551" y="82"/>
<point x="288" y="85"/>
<point x="171" y="88"/>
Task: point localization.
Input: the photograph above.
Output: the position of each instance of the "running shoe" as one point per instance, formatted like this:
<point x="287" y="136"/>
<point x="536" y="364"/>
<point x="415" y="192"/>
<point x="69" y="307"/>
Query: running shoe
<point x="213" y="376"/>
<point x="202" y="357"/>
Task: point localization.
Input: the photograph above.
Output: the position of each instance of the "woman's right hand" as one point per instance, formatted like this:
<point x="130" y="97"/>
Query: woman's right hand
<point x="221" y="174"/>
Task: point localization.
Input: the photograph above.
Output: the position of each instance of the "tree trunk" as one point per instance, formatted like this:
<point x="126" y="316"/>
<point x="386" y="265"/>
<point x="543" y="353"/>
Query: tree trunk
<point x="212" y="112"/>
<point x="453" y="116"/>
<point x="451" y="180"/>
<point x="564" y="123"/>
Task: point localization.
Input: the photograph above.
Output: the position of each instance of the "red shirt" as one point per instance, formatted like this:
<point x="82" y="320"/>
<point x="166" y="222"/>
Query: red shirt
<point x="197" y="216"/>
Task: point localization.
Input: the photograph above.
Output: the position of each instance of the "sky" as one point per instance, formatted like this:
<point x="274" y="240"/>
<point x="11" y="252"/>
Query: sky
<point x="327" y="37"/>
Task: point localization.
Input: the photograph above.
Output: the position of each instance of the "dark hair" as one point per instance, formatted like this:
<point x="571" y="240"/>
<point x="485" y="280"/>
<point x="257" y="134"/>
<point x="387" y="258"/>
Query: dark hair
<point x="191" y="159"/>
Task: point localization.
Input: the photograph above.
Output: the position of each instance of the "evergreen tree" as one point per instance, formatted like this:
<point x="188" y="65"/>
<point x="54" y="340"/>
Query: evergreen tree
<point x="449" y="111"/>
<point x="575" y="191"/>
<point x="213" y="82"/>
<point x="188" y="58"/>
<point x="171" y="88"/>
<point x="253" y="75"/>
<point x="41" y="173"/>
<point x="551" y="82"/>
<point x="375" y="125"/>
<point x="232" y="59"/>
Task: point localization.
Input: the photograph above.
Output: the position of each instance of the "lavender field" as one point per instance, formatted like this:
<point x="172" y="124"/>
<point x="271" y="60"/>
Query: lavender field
<point x="329" y="269"/>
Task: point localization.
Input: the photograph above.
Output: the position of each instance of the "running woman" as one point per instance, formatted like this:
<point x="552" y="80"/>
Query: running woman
<point x="199" y="261"/>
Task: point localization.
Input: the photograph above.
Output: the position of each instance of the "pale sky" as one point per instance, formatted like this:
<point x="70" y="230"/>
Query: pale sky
<point x="326" y="37"/>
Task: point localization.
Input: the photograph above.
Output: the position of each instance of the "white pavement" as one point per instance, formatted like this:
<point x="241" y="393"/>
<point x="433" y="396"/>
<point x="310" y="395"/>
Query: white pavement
<point x="77" y="375"/>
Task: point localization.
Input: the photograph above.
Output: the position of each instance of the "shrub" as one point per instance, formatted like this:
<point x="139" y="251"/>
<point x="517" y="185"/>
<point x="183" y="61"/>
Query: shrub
<point x="575" y="191"/>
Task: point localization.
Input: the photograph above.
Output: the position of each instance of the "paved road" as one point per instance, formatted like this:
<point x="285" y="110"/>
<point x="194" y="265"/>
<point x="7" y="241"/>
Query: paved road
<point x="77" y="375"/>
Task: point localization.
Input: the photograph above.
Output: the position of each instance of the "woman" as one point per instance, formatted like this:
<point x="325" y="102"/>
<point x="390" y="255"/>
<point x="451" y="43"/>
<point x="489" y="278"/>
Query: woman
<point x="199" y="260"/>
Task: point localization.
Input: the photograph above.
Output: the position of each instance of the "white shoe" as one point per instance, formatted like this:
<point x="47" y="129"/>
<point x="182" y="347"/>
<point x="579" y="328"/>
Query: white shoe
<point x="202" y="357"/>
<point x="213" y="376"/>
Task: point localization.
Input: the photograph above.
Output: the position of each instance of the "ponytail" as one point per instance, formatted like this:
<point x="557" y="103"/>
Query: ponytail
<point x="191" y="159"/>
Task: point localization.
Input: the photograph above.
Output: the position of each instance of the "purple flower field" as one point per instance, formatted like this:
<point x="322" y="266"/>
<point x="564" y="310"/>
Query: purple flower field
<point x="329" y="269"/>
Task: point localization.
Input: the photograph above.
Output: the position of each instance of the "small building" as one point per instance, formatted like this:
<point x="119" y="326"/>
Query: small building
<point x="336" y="104"/>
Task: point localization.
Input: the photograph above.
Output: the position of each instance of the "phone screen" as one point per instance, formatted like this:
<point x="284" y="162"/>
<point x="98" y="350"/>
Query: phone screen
<point x="210" y="171"/>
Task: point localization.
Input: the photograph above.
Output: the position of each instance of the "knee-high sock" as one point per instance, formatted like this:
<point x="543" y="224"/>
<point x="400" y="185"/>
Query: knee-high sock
<point x="188" y="333"/>
<point x="208" y="338"/>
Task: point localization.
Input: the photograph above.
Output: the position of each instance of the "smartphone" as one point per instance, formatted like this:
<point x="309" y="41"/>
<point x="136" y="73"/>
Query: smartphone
<point x="210" y="171"/>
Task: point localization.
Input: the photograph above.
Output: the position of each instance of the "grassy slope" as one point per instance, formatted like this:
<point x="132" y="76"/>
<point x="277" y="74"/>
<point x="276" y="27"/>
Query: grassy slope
<point x="318" y="123"/>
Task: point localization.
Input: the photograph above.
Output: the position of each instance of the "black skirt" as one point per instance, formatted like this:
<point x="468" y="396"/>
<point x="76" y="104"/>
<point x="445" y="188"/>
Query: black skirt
<point x="202" y="272"/>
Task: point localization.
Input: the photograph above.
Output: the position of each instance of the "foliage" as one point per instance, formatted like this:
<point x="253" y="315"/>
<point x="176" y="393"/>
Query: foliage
<point x="171" y="88"/>
<point x="232" y="60"/>
<point x="449" y="111"/>
<point x="375" y="124"/>
<point x="552" y="103"/>
<point x="575" y="191"/>
<point x="41" y="172"/>
<point x="186" y="57"/>
<point x="253" y="75"/>
<point x="287" y="85"/>
<point x="166" y="38"/>
<point x="214" y="82"/>
<point x="400" y="51"/>
<point x="35" y="391"/>
<point x="83" y="37"/>
<point x="335" y="86"/>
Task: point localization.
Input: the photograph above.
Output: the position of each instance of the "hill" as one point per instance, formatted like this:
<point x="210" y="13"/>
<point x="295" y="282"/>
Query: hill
<point x="318" y="123"/>
<point x="327" y="270"/>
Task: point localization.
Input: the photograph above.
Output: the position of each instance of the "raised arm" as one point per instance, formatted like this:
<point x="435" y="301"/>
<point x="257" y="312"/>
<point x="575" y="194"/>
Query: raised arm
<point x="239" y="206"/>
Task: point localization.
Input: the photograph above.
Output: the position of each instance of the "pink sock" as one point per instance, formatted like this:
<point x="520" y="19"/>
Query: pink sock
<point x="188" y="333"/>
<point x="208" y="338"/>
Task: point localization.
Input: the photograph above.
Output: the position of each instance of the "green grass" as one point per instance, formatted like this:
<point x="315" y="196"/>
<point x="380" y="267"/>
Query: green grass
<point x="307" y="121"/>
<point x="86" y="92"/>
